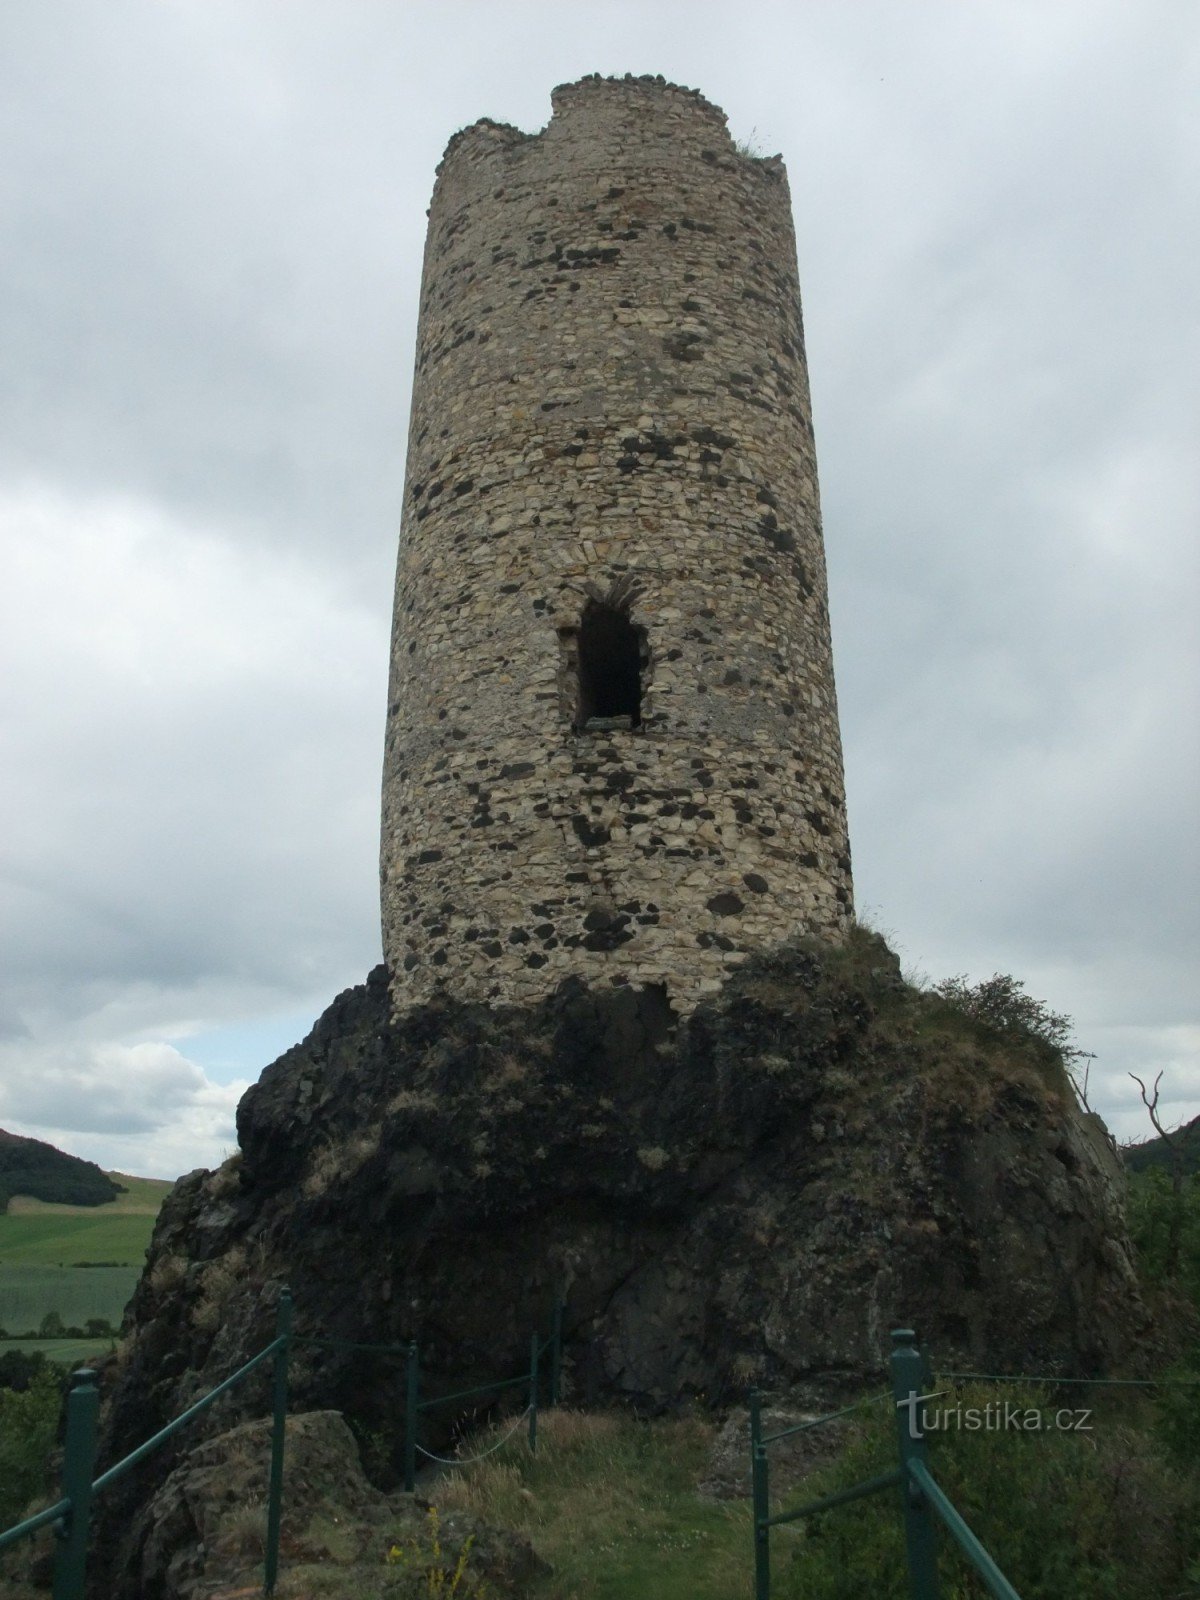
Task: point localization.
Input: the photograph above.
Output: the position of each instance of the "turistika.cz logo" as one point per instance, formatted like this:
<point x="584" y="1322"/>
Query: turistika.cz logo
<point x="997" y="1416"/>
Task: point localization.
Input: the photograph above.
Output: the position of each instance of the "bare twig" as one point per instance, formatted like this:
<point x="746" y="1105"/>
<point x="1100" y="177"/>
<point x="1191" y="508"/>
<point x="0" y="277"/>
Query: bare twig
<point x="1175" y="1161"/>
<point x="1081" y="1094"/>
<point x="1081" y="1089"/>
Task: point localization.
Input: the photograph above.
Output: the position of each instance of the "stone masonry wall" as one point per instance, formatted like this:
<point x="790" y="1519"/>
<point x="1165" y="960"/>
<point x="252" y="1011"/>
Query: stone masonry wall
<point x="610" y="402"/>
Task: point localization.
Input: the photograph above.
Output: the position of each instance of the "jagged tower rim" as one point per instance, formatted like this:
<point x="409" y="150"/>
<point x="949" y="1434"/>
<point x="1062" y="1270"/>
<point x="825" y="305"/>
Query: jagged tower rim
<point x="508" y="133"/>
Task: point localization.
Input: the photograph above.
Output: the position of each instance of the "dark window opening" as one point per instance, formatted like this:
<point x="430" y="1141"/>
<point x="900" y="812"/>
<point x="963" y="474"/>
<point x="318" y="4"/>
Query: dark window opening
<point x="610" y="666"/>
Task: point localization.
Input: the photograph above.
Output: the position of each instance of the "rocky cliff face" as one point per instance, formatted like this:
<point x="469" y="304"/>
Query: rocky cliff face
<point x="754" y="1196"/>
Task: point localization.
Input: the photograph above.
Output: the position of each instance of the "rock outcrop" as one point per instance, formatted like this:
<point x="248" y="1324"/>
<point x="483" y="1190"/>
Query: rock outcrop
<point x="202" y="1535"/>
<point x="754" y="1196"/>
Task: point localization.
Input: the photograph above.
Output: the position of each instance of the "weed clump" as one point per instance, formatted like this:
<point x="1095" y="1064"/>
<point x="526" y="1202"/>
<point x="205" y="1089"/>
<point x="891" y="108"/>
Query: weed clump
<point x="431" y="1570"/>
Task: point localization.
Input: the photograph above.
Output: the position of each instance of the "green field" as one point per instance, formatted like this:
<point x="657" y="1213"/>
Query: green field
<point x="34" y="1233"/>
<point x="77" y="1294"/>
<point x="142" y="1198"/>
<point x="66" y="1352"/>
<point x="41" y="1246"/>
<point x="58" y="1238"/>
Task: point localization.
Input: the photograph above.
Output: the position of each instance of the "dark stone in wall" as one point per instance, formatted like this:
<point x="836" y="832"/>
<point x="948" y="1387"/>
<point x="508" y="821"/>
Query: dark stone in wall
<point x="726" y="905"/>
<point x="588" y="833"/>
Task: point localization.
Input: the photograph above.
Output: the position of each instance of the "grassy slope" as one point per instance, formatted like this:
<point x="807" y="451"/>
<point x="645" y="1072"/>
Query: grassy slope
<point x="35" y="1233"/>
<point x="611" y="1503"/>
<point x="64" y="1241"/>
<point x="40" y="1243"/>
<point x="66" y="1352"/>
<point x="142" y="1198"/>
<point x="28" y="1293"/>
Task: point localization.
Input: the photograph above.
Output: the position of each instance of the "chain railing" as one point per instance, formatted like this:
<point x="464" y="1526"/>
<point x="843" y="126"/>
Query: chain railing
<point x="70" y="1515"/>
<point x="924" y="1503"/>
<point x="921" y="1497"/>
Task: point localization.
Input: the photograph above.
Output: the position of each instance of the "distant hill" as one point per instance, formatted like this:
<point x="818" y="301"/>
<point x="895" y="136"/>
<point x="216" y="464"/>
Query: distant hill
<point x="1153" y="1152"/>
<point x="31" y="1167"/>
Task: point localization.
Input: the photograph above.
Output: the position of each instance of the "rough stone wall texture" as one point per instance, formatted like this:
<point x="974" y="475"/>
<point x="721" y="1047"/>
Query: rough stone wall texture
<point x="610" y="403"/>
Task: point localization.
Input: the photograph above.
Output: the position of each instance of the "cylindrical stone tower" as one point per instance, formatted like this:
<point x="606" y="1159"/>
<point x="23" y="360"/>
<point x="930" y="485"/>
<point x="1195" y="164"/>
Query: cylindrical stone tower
<point x="612" y="738"/>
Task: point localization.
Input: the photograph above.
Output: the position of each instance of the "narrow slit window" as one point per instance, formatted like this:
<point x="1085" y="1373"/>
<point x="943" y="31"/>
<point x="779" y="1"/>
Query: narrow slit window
<point x="610" y="666"/>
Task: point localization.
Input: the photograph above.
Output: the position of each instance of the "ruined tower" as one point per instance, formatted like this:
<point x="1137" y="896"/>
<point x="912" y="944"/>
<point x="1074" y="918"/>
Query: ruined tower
<point x="612" y="738"/>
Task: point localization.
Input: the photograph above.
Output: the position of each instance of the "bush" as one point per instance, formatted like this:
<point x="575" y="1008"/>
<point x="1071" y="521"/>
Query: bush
<point x="18" y="1368"/>
<point x="1001" y="1005"/>
<point x="1177" y="1412"/>
<point x="28" y="1424"/>
<point x="1095" y="1515"/>
<point x="1151" y="1204"/>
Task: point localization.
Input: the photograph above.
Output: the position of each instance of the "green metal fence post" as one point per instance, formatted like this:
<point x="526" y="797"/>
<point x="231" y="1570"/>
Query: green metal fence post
<point x="279" y="1405"/>
<point x="533" y="1386"/>
<point x="908" y="1391"/>
<point x="760" y="1501"/>
<point x="412" y="1390"/>
<point x="556" y="1352"/>
<point x="79" y="1465"/>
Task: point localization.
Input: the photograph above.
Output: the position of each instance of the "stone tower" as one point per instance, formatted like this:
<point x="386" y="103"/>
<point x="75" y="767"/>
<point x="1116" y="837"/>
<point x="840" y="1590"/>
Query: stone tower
<point x="612" y="737"/>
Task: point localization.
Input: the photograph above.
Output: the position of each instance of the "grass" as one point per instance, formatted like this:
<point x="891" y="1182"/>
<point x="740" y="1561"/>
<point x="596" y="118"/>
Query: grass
<point x="1101" y="1514"/>
<point x="143" y="1198"/>
<point x="65" y="1352"/>
<point x="38" y="1233"/>
<point x="27" y="1293"/>
<point x="62" y="1240"/>
<point x="611" y="1504"/>
<point x="41" y="1246"/>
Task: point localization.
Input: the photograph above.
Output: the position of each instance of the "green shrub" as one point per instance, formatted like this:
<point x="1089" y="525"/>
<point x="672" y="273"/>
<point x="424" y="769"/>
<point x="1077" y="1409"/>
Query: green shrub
<point x="999" y="1010"/>
<point x="28" y="1423"/>
<point x="1151" y="1203"/>
<point x="1177" y="1412"/>
<point x="19" y="1367"/>
<point x="1096" y="1515"/>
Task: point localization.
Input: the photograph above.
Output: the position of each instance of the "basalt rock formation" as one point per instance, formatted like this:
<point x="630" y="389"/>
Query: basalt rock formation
<point x="199" y="1537"/>
<point x="755" y="1195"/>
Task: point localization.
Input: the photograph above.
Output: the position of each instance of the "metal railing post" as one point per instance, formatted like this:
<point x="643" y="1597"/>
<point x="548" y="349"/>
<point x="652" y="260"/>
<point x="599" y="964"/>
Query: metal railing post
<point x="279" y="1406"/>
<point x="533" y="1388"/>
<point x="412" y="1393"/>
<point x="908" y="1390"/>
<point x="760" y="1500"/>
<point x="556" y="1353"/>
<point x="79" y="1465"/>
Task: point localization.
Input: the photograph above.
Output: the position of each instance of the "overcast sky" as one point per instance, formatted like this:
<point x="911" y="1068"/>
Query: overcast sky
<point x="211" y="224"/>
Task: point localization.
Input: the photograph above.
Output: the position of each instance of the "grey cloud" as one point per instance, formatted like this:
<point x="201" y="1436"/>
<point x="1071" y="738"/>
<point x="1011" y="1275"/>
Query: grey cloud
<point x="131" y="1091"/>
<point x="213" y="221"/>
